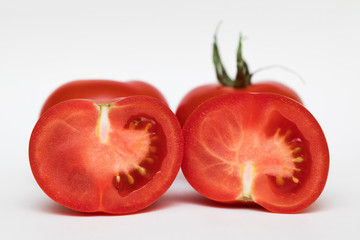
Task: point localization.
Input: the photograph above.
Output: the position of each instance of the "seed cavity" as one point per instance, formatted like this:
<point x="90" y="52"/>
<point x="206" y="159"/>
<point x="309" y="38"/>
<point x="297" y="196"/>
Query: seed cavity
<point x="134" y="175"/>
<point x="280" y="139"/>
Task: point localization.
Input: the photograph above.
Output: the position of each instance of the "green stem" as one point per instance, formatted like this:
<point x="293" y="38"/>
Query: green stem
<point x="219" y="67"/>
<point x="243" y="75"/>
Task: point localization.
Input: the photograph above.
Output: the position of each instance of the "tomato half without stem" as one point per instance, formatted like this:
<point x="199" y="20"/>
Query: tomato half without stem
<point x="100" y="91"/>
<point x="256" y="148"/>
<point x="116" y="157"/>
<point x="225" y="85"/>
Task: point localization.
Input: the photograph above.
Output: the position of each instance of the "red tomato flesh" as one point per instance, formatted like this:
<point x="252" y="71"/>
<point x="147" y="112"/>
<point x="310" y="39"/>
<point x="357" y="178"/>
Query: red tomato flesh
<point x="261" y="148"/>
<point x="114" y="157"/>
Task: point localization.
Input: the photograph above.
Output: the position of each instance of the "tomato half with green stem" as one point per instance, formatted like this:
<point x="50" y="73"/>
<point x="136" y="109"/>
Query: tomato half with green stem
<point x="256" y="148"/>
<point x="116" y="157"/>
<point x="225" y="85"/>
<point x="100" y="91"/>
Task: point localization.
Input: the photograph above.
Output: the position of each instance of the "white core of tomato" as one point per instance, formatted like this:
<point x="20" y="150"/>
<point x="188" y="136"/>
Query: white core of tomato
<point x="103" y="127"/>
<point x="247" y="179"/>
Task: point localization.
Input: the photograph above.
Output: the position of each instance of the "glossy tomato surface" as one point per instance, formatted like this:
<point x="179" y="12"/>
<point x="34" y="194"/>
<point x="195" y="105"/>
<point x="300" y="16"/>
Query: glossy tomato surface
<point x="261" y="148"/>
<point x="115" y="157"/>
<point x="200" y="94"/>
<point x="100" y="91"/>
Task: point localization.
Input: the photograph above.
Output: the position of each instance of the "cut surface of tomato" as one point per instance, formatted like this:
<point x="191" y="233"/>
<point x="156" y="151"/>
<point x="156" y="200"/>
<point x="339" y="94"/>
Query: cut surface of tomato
<point x="261" y="148"/>
<point x="114" y="157"/>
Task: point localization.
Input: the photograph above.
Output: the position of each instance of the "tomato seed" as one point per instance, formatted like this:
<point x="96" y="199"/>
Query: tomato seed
<point x="295" y="180"/>
<point x="280" y="181"/>
<point x="152" y="149"/>
<point x="149" y="160"/>
<point x="148" y="126"/>
<point x="298" y="160"/>
<point x="130" y="178"/>
<point x="141" y="170"/>
<point x="296" y="150"/>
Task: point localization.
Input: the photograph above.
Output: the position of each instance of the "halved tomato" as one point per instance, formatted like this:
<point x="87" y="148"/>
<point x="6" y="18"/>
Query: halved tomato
<point x="261" y="148"/>
<point x="116" y="157"/>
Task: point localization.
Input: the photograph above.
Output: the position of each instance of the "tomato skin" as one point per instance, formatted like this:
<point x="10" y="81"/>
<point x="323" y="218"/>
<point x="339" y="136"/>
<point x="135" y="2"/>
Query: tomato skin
<point x="248" y="123"/>
<point x="77" y="170"/>
<point x="100" y="91"/>
<point x="200" y="94"/>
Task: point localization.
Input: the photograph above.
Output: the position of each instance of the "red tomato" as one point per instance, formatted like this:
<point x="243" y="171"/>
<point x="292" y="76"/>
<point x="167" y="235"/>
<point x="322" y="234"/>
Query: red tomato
<point x="261" y="148"/>
<point x="100" y="91"/>
<point x="115" y="156"/>
<point x="242" y="83"/>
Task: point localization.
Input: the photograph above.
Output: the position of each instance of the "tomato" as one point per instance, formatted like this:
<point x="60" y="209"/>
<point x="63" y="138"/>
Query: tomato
<point x="256" y="148"/>
<point x="115" y="156"/>
<point x="242" y="83"/>
<point x="100" y="91"/>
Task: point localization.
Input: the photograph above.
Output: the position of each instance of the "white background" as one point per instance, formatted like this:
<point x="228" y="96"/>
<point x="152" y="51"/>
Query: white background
<point x="44" y="44"/>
